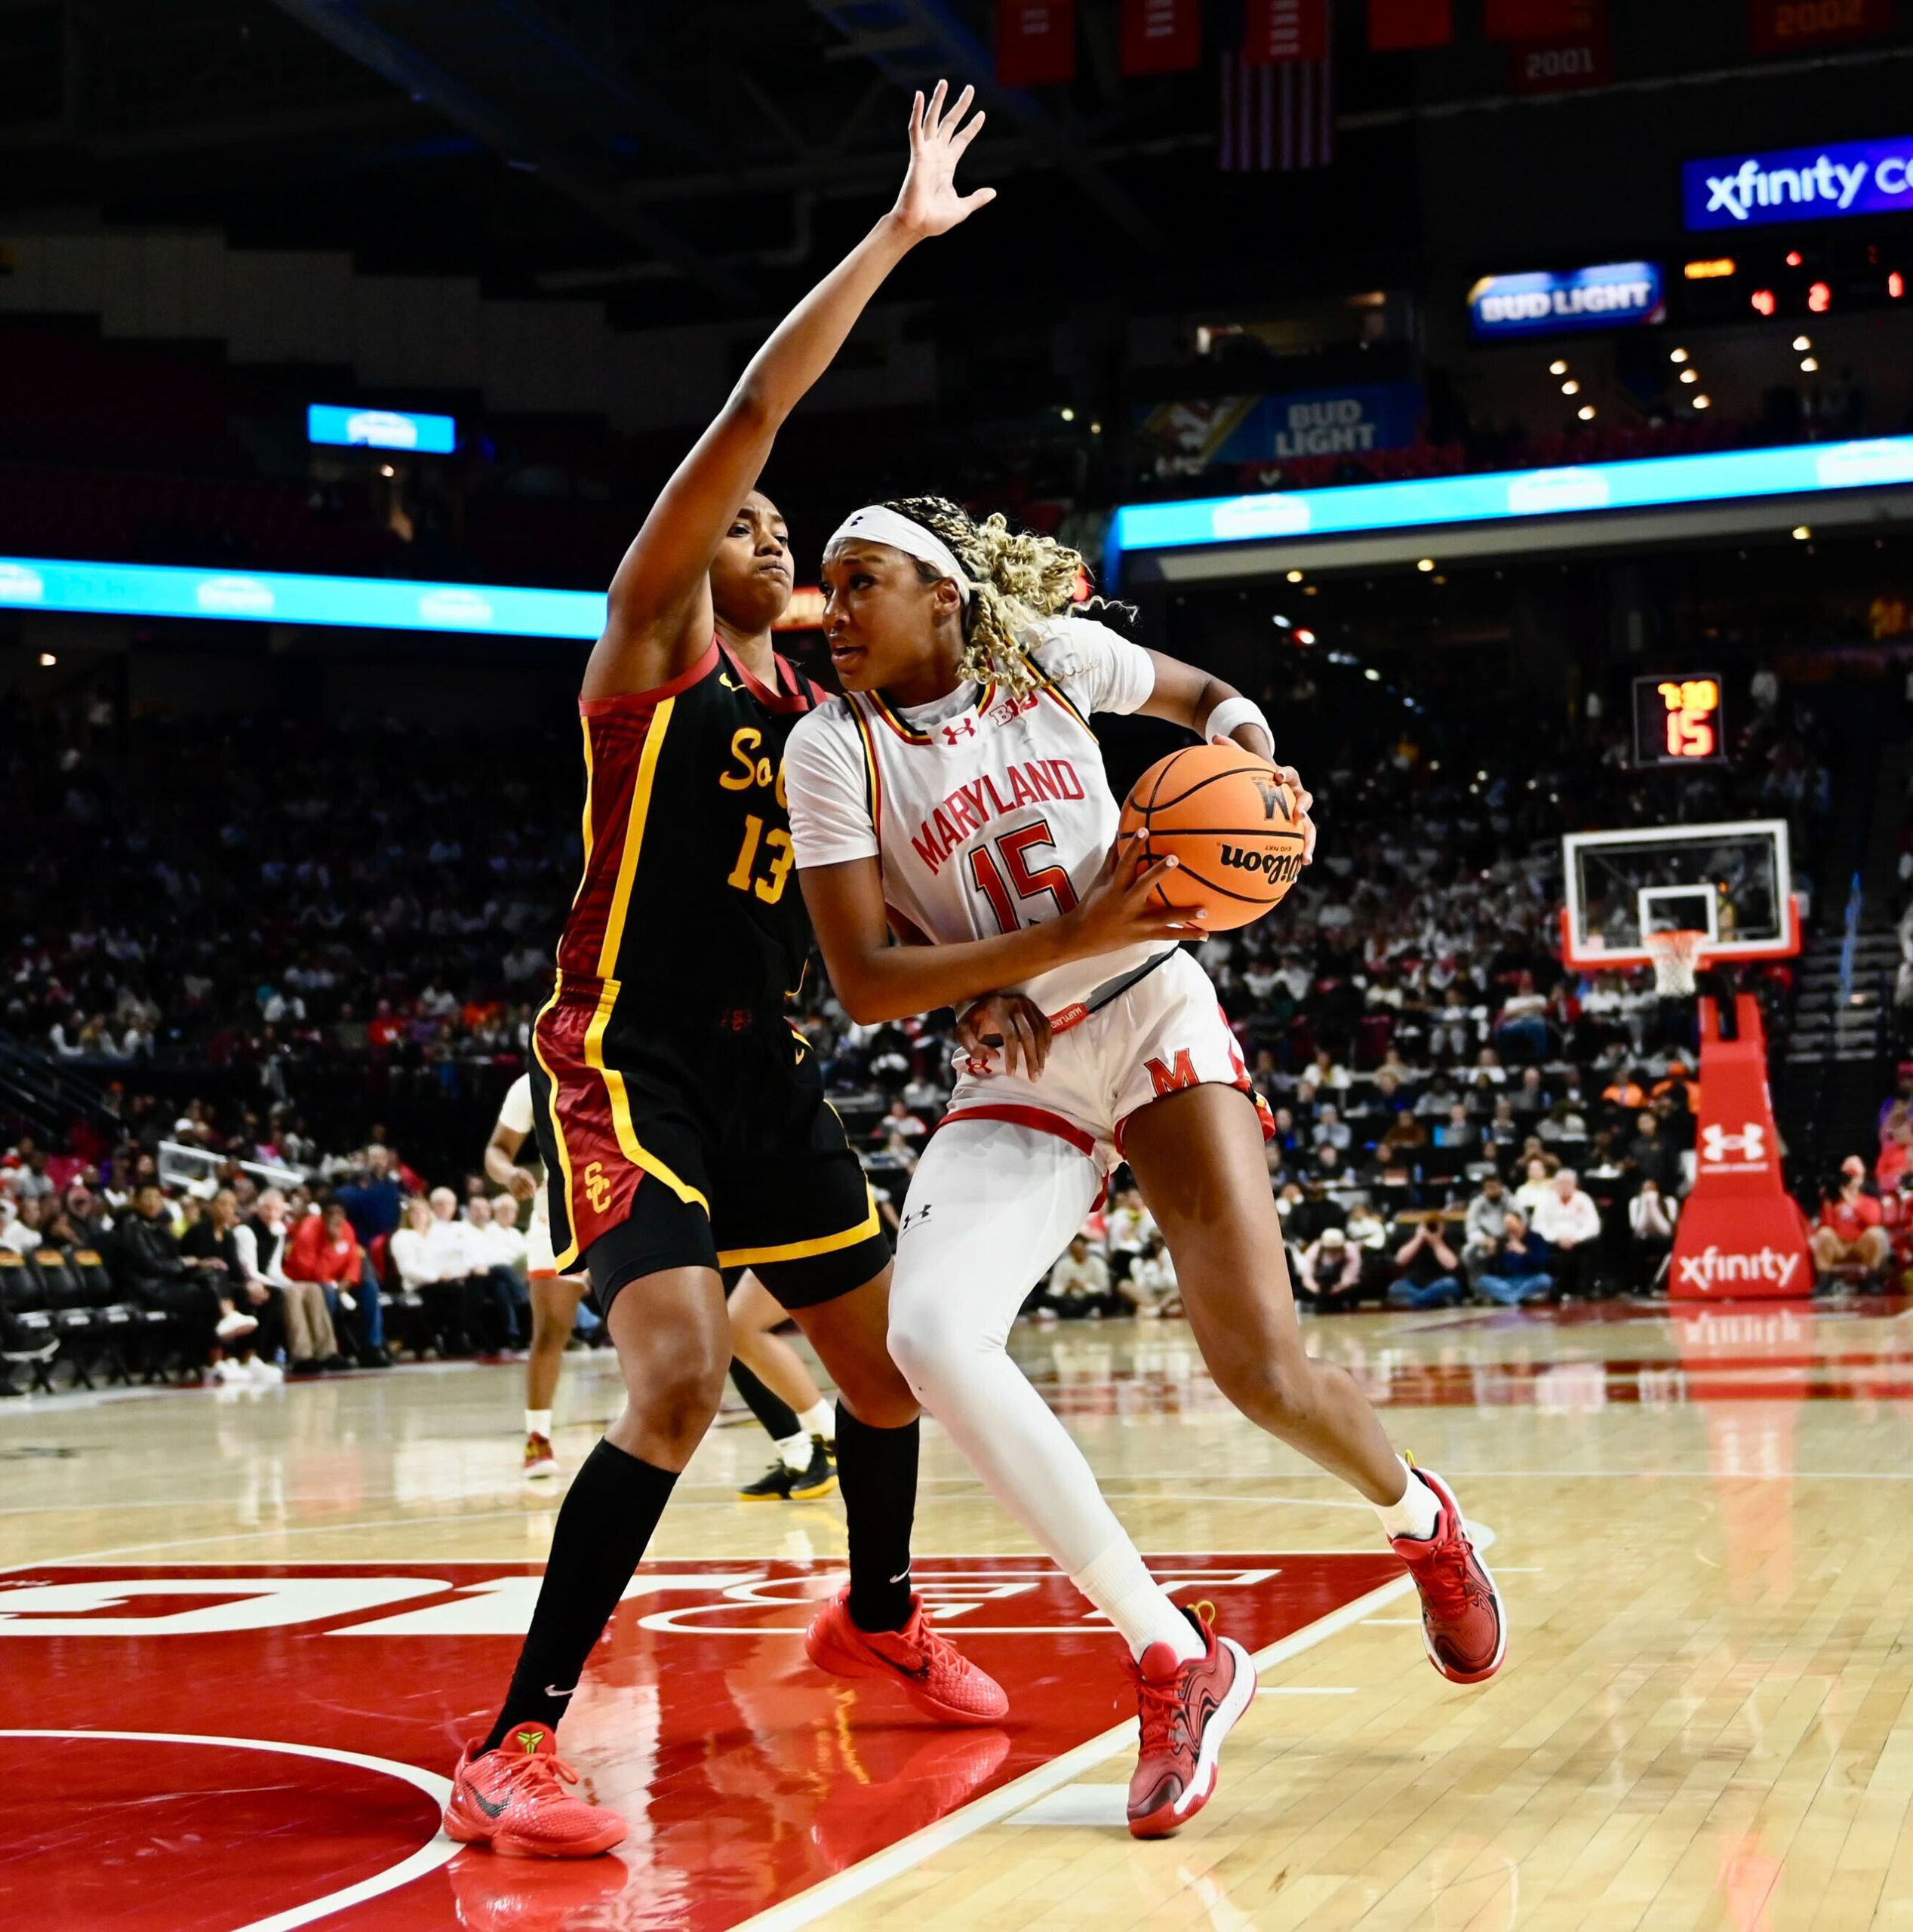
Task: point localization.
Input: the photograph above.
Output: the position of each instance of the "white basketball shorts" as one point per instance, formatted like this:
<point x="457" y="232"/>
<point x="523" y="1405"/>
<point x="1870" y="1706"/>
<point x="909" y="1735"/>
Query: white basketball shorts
<point x="1166" y="1033"/>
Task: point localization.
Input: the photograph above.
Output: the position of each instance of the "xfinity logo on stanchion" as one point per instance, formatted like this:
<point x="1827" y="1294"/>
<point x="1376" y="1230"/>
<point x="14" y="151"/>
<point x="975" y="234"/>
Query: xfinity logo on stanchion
<point x="1711" y="1268"/>
<point x="1789" y="184"/>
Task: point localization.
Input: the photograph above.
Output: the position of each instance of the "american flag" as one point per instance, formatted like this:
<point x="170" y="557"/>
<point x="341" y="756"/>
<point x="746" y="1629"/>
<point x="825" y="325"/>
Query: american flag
<point x="1276" y="116"/>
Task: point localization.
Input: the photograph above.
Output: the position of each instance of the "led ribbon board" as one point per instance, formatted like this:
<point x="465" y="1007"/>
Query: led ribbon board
<point x="381" y="430"/>
<point x="1794" y="184"/>
<point x="361" y="603"/>
<point x="1650" y="483"/>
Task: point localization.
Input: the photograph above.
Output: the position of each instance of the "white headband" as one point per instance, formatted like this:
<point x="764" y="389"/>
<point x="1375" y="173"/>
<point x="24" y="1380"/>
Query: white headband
<point x="876" y="525"/>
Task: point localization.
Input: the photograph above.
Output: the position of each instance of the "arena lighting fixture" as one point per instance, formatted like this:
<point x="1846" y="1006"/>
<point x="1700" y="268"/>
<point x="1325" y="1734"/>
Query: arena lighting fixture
<point x="1677" y="356"/>
<point x="1424" y="563"/>
<point x="1279" y="618"/>
<point x="1067" y="414"/>
<point x="1690" y="375"/>
<point x="1802" y="343"/>
<point x="47" y="660"/>
<point x="1096" y="428"/>
<point x="1808" y="364"/>
<point x="1896" y="285"/>
<point x="1558" y="367"/>
<point x="1703" y="402"/>
<point x="386" y="470"/>
<point x="1586" y="412"/>
<point x="1794" y="258"/>
<point x="1305" y="637"/>
<point x="1711" y="271"/>
<point x="1802" y="534"/>
<point x="1819" y="298"/>
<point x="1764" y="301"/>
<point x="1373" y="676"/>
<point x="1295" y="577"/>
<point x="1570" y="387"/>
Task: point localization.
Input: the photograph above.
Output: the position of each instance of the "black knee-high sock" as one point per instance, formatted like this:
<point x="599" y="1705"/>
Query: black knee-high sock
<point x="607" y="1517"/>
<point x="779" y="1418"/>
<point x="877" y="1473"/>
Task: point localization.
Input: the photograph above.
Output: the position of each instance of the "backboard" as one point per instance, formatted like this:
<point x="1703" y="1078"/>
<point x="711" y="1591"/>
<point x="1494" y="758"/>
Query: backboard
<point x="1733" y="882"/>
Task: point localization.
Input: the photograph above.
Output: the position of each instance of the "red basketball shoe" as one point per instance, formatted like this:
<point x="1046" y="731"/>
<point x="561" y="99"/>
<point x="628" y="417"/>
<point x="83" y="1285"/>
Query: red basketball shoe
<point x="514" y="1800"/>
<point x="928" y="1668"/>
<point x="1188" y="1707"/>
<point x="1462" y="1626"/>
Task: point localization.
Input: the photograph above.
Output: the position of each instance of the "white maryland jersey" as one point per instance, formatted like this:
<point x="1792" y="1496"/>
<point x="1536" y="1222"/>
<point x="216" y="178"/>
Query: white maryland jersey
<point x="986" y="812"/>
<point x="515" y="1112"/>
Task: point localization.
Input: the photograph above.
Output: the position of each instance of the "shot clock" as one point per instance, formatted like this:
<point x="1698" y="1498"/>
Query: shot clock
<point x="1676" y="720"/>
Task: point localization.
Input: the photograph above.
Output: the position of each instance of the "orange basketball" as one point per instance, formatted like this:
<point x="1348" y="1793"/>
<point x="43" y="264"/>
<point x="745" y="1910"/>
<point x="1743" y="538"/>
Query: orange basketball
<point x="1229" y="823"/>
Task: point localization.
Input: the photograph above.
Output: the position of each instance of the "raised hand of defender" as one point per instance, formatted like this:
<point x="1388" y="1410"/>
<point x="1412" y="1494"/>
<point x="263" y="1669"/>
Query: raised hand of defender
<point x="1116" y="911"/>
<point x="928" y="203"/>
<point x="1009" y="1024"/>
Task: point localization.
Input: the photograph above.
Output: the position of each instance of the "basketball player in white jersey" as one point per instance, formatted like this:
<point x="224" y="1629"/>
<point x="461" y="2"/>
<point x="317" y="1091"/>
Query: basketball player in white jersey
<point x="955" y="796"/>
<point x="803" y="1471"/>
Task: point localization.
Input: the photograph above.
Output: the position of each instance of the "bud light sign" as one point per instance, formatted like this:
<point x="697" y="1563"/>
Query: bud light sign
<point x="1796" y="184"/>
<point x="1615" y="295"/>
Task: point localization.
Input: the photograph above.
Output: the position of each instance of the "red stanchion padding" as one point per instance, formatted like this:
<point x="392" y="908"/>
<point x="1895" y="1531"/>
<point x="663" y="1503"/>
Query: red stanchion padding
<point x="1740" y="1234"/>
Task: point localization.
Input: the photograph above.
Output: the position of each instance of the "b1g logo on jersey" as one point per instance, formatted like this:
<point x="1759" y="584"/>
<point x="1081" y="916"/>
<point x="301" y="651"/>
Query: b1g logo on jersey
<point x="1285" y="868"/>
<point x="1011" y="708"/>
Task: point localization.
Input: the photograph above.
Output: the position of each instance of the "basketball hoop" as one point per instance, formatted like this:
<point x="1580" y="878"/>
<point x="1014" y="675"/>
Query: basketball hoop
<point x="1675" y="953"/>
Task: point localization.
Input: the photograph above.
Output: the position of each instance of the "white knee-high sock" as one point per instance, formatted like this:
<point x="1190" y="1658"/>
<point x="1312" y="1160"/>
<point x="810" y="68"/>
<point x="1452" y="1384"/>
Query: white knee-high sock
<point x="991" y="1206"/>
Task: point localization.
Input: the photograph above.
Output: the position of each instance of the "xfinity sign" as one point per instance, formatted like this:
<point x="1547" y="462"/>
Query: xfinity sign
<point x="1794" y="184"/>
<point x="1616" y="294"/>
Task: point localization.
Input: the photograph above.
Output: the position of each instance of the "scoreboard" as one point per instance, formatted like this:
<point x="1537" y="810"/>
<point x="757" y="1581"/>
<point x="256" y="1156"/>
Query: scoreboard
<point x="1676" y="720"/>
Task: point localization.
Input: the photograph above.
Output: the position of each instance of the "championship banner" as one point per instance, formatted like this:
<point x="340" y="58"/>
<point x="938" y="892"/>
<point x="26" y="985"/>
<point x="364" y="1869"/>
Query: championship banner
<point x="1798" y="27"/>
<point x="1277" y="31"/>
<point x="1559" y="65"/>
<point x="1035" y="42"/>
<point x="1537" y="20"/>
<point x="1740" y="1236"/>
<point x="1396" y="26"/>
<point x="1162" y="36"/>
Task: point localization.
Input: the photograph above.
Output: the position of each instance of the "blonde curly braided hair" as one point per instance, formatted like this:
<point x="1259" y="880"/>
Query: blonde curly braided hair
<point x="1017" y="580"/>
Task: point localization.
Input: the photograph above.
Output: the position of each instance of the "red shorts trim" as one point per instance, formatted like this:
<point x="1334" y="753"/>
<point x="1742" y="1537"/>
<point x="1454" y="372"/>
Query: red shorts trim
<point x="1039" y="1118"/>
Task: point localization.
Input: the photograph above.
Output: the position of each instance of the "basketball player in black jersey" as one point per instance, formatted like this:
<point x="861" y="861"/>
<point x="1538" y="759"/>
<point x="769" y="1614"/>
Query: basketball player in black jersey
<point x="680" y="1115"/>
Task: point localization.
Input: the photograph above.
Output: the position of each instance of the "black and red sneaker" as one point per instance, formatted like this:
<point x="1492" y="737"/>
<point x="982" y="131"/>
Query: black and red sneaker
<point x="923" y="1664"/>
<point x="1462" y="1623"/>
<point x="1188" y="1706"/>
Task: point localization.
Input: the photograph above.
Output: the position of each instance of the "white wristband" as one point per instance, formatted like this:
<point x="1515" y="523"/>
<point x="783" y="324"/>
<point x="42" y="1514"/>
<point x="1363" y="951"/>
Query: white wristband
<point x="1231" y="716"/>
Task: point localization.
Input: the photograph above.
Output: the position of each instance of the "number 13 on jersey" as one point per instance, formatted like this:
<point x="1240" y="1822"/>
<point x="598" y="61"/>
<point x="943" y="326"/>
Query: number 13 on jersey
<point x="775" y="848"/>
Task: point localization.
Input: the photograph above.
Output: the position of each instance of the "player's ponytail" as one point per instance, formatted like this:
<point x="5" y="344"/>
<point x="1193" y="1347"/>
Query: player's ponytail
<point x="1017" y="580"/>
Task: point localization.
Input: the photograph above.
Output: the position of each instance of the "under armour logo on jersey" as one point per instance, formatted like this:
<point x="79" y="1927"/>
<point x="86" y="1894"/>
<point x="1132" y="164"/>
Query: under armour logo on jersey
<point x="1750" y="1143"/>
<point x="915" y="1218"/>
<point x="950" y="734"/>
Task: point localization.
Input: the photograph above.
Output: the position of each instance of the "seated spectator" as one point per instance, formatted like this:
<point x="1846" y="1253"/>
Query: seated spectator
<point x="899" y="1122"/>
<point x="310" y="1341"/>
<point x="1396" y="1148"/>
<point x="1521" y="1028"/>
<point x="324" y="1249"/>
<point x="1329" y="1167"/>
<point x="1570" y="1223"/>
<point x="1537" y="1182"/>
<point x="147" y="1266"/>
<point x="1458" y="1130"/>
<point x="1454" y="1032"/>
<point x="1896" y="1147"/>
<point x="1530" y="1099"/>
<point x="1078" y="1288"/>
<point x="1130" y="1225"/>
<point x="1850" y="1233"/>
<point x="209" y="1246"/>
<point x="1651" y="1155"/>
<point x="1427" y="1270"/>
<point x="19" y="1226"/>
<point x="1365" y="1229"/>
<point x="1486" y="1222"/>
<point x="1516" y="1269"/>
<point x="1331" y="1130"/>
<point x="1149" y="1286"/>
<point x="1651" y="1216"/>
<point x="1330" y="1275"/>
<point x="508" y="1245"/>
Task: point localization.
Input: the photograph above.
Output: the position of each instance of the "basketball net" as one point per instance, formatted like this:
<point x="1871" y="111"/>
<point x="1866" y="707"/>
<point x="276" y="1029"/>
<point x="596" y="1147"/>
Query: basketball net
<point x="1675" y="956"/>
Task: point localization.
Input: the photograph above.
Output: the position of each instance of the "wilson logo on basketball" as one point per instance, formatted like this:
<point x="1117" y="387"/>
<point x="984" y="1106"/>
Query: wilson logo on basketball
<point x="1285" y="867"/>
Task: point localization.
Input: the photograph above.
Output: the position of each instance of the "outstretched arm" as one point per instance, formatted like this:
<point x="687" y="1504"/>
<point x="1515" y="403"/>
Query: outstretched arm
<point x="660" y="618"/>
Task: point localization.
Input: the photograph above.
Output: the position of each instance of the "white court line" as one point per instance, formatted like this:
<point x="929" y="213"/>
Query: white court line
<point x="437" y="1850"/>
<point x="807" y="1907"/>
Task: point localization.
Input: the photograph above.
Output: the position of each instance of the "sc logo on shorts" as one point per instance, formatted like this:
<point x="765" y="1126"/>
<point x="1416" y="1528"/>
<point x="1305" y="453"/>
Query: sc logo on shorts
<point x="598" y="1189"/>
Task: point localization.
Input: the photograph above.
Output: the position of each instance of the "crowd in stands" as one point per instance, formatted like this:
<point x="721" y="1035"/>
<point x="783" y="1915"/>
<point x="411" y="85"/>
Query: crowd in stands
<point x="287" y="903"/>
<point x="248" y="1274"/>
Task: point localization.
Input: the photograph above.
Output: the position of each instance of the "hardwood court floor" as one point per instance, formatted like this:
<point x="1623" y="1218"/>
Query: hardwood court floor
<point x="1700" y="1525"/>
